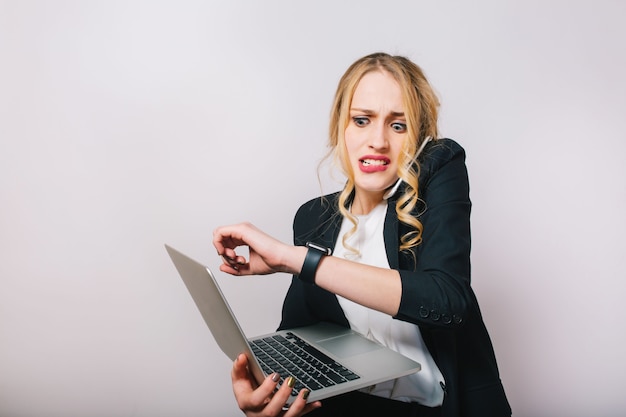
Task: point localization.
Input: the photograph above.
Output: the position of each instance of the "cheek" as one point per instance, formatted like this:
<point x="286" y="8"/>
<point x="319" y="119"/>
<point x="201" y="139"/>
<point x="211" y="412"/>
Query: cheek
<point x="397" y="149"/>
<point x="350" y="142"/>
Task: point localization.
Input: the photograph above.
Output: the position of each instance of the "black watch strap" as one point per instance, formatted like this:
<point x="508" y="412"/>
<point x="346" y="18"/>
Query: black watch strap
<point x="312" y="260"/>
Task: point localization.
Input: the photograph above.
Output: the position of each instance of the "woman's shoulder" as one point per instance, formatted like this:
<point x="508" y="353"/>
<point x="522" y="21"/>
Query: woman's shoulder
<point x="438" y="153"/>
<point x="441" y="150"/>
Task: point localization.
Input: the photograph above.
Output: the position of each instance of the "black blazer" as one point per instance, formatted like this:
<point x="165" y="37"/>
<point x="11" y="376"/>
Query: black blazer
<point x="436" y="292"/>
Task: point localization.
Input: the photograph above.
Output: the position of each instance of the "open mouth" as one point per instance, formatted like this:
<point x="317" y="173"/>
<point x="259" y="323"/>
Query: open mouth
<point x="374" y="162"/>
<point x="370" y="164"/>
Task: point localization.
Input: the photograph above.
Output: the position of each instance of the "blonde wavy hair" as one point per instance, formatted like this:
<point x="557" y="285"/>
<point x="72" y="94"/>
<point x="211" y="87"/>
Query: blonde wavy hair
<point x="421" y="107"/>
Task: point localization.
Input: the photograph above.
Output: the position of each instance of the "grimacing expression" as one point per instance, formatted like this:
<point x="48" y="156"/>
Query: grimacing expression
<point x="375" y="134"/>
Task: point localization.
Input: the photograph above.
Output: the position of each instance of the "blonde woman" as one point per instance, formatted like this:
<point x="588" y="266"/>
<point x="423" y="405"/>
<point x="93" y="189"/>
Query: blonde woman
<point x="399" y="272"/>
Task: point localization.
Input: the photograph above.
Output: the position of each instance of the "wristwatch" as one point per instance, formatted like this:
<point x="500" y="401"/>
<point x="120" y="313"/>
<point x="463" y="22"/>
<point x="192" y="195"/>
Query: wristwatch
<point x="312" y="260"/>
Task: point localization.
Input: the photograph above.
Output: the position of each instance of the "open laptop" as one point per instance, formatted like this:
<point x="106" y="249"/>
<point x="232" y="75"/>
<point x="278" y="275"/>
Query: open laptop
<point x="325" y="358"/>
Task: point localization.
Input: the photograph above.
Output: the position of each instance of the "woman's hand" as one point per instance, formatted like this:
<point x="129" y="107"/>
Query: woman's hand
<point x="261" y="401"/>
<point x="266" y="254"/>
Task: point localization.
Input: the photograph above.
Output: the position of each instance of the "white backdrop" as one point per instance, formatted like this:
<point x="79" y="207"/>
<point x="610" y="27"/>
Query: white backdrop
<point x="125" y="125"/>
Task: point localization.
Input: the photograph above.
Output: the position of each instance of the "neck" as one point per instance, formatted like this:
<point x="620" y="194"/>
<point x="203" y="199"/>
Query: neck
<point x="364" y="204"/>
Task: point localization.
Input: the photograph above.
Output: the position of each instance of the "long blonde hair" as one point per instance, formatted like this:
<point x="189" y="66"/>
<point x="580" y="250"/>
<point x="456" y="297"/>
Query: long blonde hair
<point x="421" y="107"/>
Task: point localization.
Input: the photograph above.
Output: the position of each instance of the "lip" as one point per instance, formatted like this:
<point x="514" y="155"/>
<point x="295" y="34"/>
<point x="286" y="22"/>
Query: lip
<point x="373" y="163"/>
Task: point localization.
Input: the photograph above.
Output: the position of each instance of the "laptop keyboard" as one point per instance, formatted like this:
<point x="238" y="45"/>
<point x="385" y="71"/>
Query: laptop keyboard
<point x="291" y="356"/>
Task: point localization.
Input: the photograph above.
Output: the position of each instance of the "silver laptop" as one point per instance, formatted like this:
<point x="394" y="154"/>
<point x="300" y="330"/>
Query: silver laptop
<point x="325" y="358"/>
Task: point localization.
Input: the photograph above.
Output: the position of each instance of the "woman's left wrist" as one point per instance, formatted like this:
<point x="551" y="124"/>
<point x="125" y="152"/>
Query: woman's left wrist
<point x="314" y="254"/>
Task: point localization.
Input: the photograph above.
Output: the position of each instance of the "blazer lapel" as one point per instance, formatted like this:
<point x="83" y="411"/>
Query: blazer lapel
<point x="390" y="233"/>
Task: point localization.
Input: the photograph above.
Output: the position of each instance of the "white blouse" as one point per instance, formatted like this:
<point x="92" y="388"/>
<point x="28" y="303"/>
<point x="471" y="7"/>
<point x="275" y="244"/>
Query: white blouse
<point x="403" y="337"/>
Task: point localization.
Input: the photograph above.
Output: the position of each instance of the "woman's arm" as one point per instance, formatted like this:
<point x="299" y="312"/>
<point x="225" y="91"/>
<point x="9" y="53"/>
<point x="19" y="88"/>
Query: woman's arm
<point x="435" y="293"/>
<point x="373" y="287"/>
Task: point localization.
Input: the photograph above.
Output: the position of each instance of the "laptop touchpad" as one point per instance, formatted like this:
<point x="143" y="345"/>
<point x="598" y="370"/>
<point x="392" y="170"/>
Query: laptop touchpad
<point x="348" y="345"/>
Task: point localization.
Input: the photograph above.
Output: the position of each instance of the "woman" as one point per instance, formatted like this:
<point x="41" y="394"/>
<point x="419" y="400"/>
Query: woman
<point x="400" y="268"/>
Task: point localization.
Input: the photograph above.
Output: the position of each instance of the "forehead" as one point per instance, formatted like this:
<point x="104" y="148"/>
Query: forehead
<point x="376" y="89"/>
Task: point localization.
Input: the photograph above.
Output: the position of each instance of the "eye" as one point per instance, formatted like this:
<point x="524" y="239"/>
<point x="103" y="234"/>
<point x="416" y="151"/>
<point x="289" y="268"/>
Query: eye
<point x="399" y="127"/>
<point x="360" y="121"/>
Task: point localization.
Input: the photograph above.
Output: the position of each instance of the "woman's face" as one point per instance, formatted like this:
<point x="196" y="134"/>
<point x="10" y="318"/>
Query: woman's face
<point x="375" y="134"/>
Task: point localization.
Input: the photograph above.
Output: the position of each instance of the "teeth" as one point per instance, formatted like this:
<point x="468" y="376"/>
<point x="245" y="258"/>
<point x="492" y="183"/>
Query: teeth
<point x="368" y="162"/>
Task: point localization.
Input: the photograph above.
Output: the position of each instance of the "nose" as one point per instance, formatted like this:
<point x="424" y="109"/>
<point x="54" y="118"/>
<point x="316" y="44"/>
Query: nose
<point x="378" y="139"/>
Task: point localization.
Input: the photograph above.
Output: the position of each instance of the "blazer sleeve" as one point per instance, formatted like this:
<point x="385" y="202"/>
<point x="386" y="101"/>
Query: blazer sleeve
<point x="307" y="304"/>
<point x="436" y="289"/>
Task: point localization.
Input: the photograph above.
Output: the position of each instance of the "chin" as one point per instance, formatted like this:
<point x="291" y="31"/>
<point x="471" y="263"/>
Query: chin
<point x="372" y="188"/>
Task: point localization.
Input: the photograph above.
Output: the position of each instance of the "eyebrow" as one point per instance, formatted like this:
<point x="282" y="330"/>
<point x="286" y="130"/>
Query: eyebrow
<point x="366" y="111"/>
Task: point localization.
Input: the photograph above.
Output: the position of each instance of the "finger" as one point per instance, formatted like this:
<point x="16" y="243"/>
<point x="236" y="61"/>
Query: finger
<point x="264" y="393"/>
<point x="239" y="271"/>
<point x="251" y="396"/>
<point x="300" y="407"/>
<point x="218" y="241"/>
<point x="240" y="374"/>
<point x="230" y="262"/>
<point x="232" y="258"/>
<point x="281" y="396"/>
<point x="224" y="240"/>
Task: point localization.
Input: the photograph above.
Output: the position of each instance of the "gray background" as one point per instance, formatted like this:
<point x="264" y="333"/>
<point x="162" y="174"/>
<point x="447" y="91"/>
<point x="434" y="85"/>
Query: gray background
<point x="125" y="125"/>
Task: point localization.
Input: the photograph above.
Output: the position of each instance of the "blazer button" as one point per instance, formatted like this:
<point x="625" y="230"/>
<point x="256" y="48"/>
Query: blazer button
<point x="443" y="387"/>
<point x="456" y="319"/>
<point x="446" y="319"/>
<point x="423" y="312"/>
<point x="434" y="315"/>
